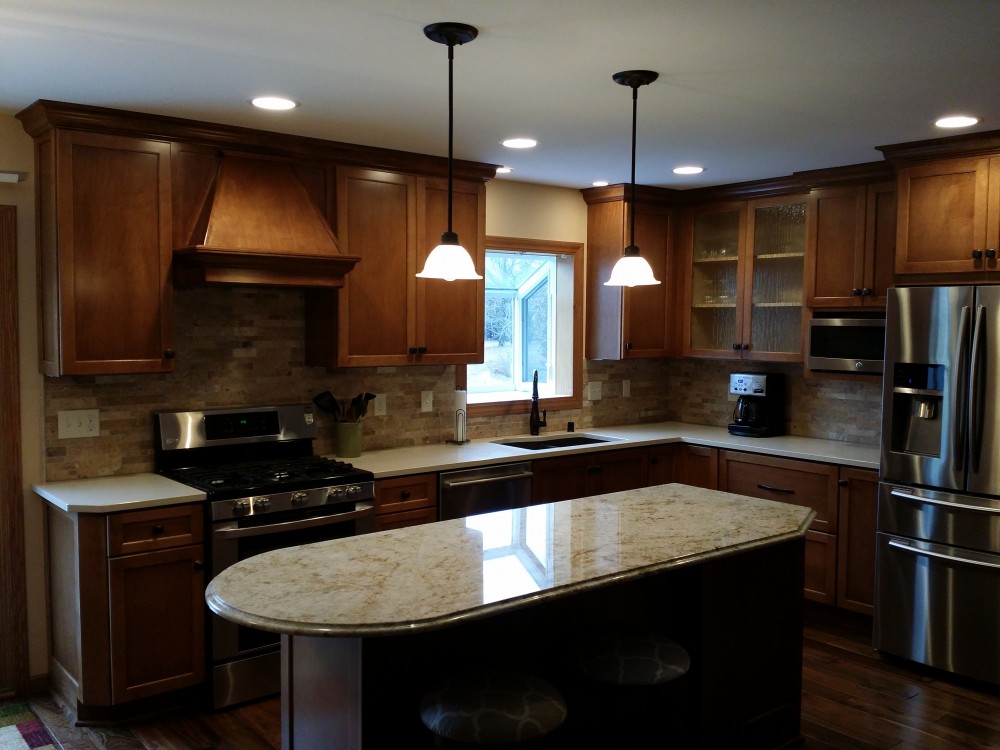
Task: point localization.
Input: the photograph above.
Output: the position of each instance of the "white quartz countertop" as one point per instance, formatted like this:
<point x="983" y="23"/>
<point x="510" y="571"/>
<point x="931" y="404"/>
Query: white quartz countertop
<point x="393" y="462"/>
<point x="115" y="493"/>
<point x="425" y="577"/>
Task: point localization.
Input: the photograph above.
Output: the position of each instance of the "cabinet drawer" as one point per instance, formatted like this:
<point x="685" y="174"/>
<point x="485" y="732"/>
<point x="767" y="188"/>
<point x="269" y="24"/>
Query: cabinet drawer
<point x="156" y="528"/>
<point x="405" y="518"/>
<point x="405" y="493"/>
<point x="784" y="480"/>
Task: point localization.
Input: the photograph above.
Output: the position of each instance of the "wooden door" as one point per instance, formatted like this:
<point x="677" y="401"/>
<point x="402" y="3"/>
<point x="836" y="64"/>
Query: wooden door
<point x="105" y="271"/>
<point x="449" y="314"/>
<point x="880" y="243"/>
<point x="563" y="478"/>
<point x="376" y="220"/>
<point x="943" y="216"/>
<point x="835" y="250"/>
<point x="856" y="539"/>
<point x="621" y="470"/>
<point x="157" y="622"/>
<point x="697" y="465"/>
<point x="661" y="459"/>
<point x="648" y="311"/>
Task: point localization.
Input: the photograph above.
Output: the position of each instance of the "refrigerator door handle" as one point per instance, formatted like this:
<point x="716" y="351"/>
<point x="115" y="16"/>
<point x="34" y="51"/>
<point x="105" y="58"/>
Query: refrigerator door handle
<point x="943" y="503"/>
<point x="955" y="558"/>
<point x="961" y="407"/>
<point x="976" y="385"/>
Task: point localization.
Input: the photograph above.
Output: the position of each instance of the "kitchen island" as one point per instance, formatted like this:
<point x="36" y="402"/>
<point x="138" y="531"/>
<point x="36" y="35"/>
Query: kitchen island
<point x="368" y="621"/>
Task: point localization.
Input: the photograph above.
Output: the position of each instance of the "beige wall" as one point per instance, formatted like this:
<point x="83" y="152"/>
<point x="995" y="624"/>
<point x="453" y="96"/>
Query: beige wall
<point x="17" y="154"/>
<point x="537" y="212"/>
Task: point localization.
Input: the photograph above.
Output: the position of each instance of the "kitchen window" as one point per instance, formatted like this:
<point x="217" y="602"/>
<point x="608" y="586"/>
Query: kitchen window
<point x="533" y="321"/>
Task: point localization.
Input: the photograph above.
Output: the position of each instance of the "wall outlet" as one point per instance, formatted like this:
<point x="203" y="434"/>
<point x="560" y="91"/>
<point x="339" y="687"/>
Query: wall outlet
<point x="594" y="390"/>
<point x="626" y="388"/>
<point x="378" y="405"/>
<point x="426" y="400"/>
<point x="79" y="423"/>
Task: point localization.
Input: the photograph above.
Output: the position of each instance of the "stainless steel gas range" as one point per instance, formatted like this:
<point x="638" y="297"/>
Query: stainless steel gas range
<point x="266" y="490"/>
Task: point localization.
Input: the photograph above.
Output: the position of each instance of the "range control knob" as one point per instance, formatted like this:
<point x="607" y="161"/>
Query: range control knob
<point x="336" y="493"/>
<point x="299" y="499"/>
<point x="241" y="507"/>
<point x="354" y="490"/>
<point x="261" y="503"/>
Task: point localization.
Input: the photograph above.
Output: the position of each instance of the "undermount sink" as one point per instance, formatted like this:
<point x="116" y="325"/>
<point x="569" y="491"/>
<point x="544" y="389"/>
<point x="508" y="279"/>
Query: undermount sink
<point x="544" y="442"/>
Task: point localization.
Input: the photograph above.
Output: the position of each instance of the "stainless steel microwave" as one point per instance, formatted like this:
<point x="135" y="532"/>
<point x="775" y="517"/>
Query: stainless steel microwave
<point x="846" y="344"/>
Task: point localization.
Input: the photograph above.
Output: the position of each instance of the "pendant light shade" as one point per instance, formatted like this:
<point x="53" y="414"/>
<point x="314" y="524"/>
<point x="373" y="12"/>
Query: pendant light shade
<point x="449" y="260"/>
<point x="632" y="269"/>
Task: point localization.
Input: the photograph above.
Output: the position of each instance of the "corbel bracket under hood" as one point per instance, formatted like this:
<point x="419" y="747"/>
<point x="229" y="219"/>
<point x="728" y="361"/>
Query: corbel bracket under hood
<point x="258" y="226"/>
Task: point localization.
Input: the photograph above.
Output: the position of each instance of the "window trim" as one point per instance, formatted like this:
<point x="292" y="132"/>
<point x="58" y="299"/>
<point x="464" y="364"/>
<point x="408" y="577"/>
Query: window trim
<point x="523" y="406"/>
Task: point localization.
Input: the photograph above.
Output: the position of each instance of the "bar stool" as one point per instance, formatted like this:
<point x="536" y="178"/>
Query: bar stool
<point x="492" y="708"/>
<point x="629" y="688"/>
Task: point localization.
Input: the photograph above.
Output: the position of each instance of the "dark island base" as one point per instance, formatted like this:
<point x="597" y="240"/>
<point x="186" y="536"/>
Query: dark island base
<point x="739" y="617"/>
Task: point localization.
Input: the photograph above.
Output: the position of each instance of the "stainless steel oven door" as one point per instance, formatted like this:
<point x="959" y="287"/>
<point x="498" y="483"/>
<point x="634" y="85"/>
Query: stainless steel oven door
<point x="245" y="661"/>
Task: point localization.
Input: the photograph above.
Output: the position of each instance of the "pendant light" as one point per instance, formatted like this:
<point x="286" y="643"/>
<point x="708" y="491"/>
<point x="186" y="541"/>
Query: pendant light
<point x="632" y="269"/>
<point x="449" y="260"/>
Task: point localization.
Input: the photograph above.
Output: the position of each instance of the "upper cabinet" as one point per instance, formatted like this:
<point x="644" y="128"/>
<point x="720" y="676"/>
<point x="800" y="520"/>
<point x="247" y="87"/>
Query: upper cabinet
<point x="851" y="236"/>
<point x="385" y="315"/>
<point x="104" y="220"/>
<point x="628" y="323"/>
<point x="949" y="205"/>
<point x="744" y="284"/>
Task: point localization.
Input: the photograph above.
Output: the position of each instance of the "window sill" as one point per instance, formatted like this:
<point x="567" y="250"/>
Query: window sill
<point x="502" y="408"/>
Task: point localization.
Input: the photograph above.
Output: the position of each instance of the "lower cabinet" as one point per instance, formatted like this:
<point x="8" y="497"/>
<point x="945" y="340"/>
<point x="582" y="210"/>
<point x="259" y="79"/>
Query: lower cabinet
<point x="856" y="541"/>
<point x="128" y="608"/>
<point x="697" y="466"/>
<point x="586" y="474"/>
<point x="405" y="501"/>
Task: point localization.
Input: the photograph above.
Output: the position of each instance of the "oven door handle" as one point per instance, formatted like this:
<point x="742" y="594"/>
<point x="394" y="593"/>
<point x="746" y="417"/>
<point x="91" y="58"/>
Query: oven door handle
<point x="903" y="546"/>
<point x="362" y="511"/>
<point x="943" y="503"/>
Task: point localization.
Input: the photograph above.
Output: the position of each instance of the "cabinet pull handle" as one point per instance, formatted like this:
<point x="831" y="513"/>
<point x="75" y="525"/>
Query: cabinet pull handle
<point x="746" y="347"/>
<point x="866" y="292"/>
<point x="404" y="495"/>
<point x="421" y="350"/>
<point x="158" y="529"/>
<point x="169" y="354"/>
<point x="855" y="292"/>
<point x="769" y="488"/>
<point x="199" y="564"/>
<point x="991" y="253"/>
<point x="736" y="347"/>
<point x="841" y="482"/>
<point x="977" y="254"/>
<point x="412" y="350"/>
<point x="628" y="345"/>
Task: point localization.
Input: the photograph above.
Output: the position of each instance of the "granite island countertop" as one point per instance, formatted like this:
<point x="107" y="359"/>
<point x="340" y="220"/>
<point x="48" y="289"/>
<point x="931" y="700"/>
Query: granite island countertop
<point x="426" y="577"/>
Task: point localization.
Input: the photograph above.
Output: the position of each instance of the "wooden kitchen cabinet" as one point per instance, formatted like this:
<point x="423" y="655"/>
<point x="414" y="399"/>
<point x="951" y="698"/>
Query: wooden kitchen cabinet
<point x="800" y="483"/>
<point x="949" y="216"/>
<point x="405" y="501"/>
<point x="625" y="323"/>
<point x="128" y="610"/>
<point x="851" y="239"/>
<point x="104" y="252"/>
<point x="592" y="473"/>
<point x="743" y="291"/>
<point x="697" y="465"/>
<point x="385" y="315"/>
<point x="662" y="461"/>
<point x="856" y="539"/>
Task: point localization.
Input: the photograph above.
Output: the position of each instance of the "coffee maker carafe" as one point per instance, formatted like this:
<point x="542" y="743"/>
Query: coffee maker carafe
<point x="760" y="404"/>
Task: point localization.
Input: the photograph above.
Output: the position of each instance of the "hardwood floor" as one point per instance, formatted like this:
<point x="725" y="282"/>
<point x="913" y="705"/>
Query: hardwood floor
<point x="852" y="699"/>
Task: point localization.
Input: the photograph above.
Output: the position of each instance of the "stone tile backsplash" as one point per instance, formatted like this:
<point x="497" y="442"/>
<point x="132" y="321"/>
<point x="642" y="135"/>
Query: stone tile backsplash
<point x="243" y="346"/>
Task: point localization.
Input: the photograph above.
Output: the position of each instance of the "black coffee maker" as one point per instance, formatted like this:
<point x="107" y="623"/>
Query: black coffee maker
<point x="760" y="406"/>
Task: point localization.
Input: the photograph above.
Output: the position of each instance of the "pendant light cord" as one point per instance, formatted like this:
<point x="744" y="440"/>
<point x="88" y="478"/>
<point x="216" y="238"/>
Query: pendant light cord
<point x="451" y="125"/>
<point x="635" y="108"/>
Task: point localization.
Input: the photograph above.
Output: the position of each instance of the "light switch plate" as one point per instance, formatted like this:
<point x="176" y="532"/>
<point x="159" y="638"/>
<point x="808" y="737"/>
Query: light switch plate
<point x="594" y="390"/>
<point x="378" y="405"/>
<point x="626" y="388"/>
<point x="426" y="400"/>
<point x="78" y="423"/>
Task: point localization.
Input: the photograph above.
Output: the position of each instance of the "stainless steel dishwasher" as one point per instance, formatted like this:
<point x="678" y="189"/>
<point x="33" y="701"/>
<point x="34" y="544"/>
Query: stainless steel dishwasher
<point x="484" y="489"/>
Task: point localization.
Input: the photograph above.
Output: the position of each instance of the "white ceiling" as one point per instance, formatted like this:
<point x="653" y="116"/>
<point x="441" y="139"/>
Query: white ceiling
<point x="748" y="88"/>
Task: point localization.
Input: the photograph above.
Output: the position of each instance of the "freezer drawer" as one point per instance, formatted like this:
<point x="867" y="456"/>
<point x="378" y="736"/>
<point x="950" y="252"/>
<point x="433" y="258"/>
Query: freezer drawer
<point x="939" y="605"/>
<point x="942" y="517"/>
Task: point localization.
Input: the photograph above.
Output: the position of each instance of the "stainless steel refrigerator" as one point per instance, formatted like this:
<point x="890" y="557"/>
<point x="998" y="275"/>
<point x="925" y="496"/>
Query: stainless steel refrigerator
<point x="937" y="593"/>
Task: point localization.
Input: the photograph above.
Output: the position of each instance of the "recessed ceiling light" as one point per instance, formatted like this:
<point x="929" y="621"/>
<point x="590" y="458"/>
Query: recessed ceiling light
<point x="957" y="121"/>
<point x="504" y="170"/>
<point x="600" y="183"/>
<point x="273" y="102"/>
<point x="520" y="143"/>
<point x="691" y="169"/>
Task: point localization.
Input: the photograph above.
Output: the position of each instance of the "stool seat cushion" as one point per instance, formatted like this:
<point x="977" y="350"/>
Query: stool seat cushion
<point x="492" y="708"/>
<point x="640" y="657"/>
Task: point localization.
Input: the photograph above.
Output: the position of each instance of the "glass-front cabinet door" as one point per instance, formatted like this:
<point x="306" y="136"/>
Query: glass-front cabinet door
<point x="715" y="313"/>
<point x="746" y="268"/>
<point x="778" y="237"/>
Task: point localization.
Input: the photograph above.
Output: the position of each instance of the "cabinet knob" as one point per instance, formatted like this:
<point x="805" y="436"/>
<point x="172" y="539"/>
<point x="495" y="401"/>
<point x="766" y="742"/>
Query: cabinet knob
<point x="977" y="254"/>
<point x="628" y="345"/>
<point x="404" y="495"/>
<point x="736" y="347"/>
<point x="866" y="292"/>
<point x="169" y="354"/>
<point x="842" y="482"/>
<point x="199" y="564"/>
<point x="412" y="350"/>
<point x="991" y="253"/>
<point x="158" y="529"/>
<point x="745" y="347"/>
<point x="421" y="350"/>
<point x="855" y="292"/>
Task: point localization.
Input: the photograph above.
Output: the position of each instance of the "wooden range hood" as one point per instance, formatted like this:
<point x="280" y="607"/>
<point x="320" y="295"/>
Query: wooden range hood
<point x="258" y="226"/>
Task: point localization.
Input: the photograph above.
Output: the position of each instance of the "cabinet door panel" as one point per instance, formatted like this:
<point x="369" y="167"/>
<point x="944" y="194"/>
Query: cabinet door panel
<point x="449" y="320"/>
<point x="880" y="242"/>
<point x="647" y="308"/>
<point x="714" y="237"/>
<point x="157" y="622"/>
<point x="622" y="469"/>
<point x="856" y="540"/>
<point x="662" y="459"/>
<point x="114" y="251"/>
<point x="376" y="220"/>
<point x="566" y="478"/>
<point x="836" y="244"/>
<point x="697" y="466"/>
<point x="821" y="567"/>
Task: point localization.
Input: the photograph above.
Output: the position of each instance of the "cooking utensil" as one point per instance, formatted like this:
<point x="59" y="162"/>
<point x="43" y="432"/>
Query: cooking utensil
<point x="327" y="403"/>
